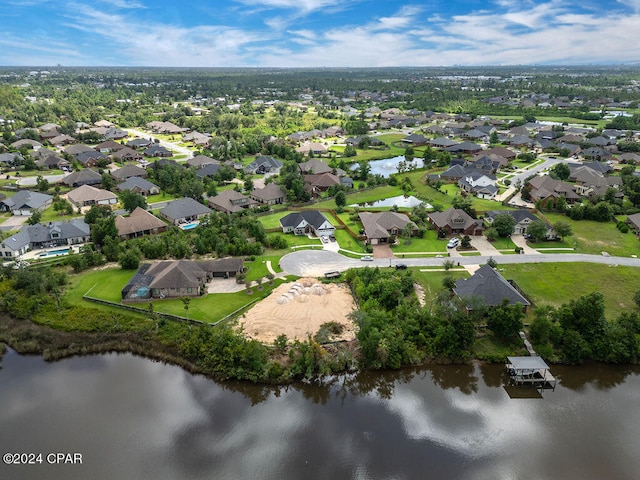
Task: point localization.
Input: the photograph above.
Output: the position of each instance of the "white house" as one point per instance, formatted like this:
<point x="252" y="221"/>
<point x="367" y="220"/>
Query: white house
<point x="480" y="184"/>
<point x="303" y="223"/>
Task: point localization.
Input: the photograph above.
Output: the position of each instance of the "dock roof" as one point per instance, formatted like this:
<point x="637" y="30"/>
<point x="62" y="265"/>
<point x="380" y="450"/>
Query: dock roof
<point x="528" y="363"/>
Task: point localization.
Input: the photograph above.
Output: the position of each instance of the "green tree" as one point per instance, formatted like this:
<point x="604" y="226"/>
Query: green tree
<point x="537" y="230"/>
<point x="107" y="182"/>
<point x="36" y="217"/>
<point x="349" y="151"/>
<point x="504" y="224"/>
<point x="493" y="138"/>
<point x="561" y="171"/>
<point x="130" y="259"/>
<point x="131" y="200"/>
<point x="42" y="184"/>
<point x="505" y="320"/>
<point x="562" y="229"/>
<point x="186" y="301"/>
<point x="341" y="200"/>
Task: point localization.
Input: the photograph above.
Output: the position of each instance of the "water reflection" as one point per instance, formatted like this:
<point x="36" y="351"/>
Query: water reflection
<point x="133" y="418"/>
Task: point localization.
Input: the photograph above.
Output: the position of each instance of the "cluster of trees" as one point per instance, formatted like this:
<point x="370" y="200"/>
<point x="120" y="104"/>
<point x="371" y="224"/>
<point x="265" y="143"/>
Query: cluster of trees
<point x="392" y="328"/>
<point x="578" y="331"/>
<point x="26" y="291"/>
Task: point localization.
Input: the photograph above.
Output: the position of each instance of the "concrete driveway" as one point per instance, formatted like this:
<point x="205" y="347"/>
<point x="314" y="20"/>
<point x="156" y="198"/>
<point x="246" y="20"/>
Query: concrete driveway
<point x="225" y="285"/>
<point x="14" y="222"/>
<point x="483" y="245"/>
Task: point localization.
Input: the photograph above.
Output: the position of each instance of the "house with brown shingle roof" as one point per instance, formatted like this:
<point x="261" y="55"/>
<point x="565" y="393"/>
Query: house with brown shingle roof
<point x="138" y="223"/>
<point x="230" y="201"/>
<point x="271" y="194"/>
<point x="86" y="195"/>
<point x="382" y="227"/>
<point x="454" y="221"/>
<point x="544" y="188"/>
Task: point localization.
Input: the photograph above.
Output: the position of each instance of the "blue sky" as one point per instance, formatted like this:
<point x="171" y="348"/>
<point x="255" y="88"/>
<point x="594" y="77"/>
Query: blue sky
<point x="318" y="33"/>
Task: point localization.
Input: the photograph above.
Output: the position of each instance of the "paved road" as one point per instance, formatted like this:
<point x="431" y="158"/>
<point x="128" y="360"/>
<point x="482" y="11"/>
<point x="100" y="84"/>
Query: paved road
<point x="317" y="262"/>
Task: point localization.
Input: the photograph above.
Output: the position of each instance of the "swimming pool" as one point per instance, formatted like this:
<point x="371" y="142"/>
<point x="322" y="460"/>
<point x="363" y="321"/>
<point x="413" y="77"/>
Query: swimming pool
<point x="189" y="226"/>
<point x="53" y="253"/>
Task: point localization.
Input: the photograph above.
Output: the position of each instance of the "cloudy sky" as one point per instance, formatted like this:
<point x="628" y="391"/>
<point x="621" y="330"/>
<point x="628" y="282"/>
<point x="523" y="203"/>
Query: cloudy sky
<point x="317" y="33"/>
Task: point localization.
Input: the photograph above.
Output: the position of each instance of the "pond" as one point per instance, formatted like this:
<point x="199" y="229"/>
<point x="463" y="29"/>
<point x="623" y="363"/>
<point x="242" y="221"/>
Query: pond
<point x="130" y="417"/>
<point x="400" y="201"/>
<point x="389" y="166"/>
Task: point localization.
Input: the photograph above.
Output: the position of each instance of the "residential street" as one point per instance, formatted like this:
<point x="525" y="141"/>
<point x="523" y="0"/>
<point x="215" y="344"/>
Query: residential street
<point x="170" y="145"/>
<point x="318" y="262"/>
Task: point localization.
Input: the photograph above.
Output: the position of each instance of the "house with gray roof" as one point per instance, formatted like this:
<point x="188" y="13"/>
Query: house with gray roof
<point x="209" y="170"/>
<point x="45" y="235"/>
<point x="90" y="158"/>
<point x="264" y="164"/>
<point x="25" y="202"/>
<point x="184" y="210"/>
<point x="383" y="227"/>
<point x="200" y="161"/>
<point x="482" y="185"/>
<point x="488" y="287"/>
<point x="307" y="222"/>
<point x="271" y="194"/>
<point x="86" y="196"/>
<point x="139" y="185"/>
<point x="523" y="218"/>
<point x="85" y="176"/>
<point x="120" y="174"/>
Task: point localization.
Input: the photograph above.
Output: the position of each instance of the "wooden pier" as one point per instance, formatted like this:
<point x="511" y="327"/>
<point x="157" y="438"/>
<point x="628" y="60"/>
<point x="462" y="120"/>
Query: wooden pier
<point x="531" y="371"/>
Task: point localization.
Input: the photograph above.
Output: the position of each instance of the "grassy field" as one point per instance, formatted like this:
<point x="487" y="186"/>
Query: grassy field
<point x="558" y="283"/>
<point x="273" y="220"/>
<point x="430" y="243"/>
<point x="431" y="281"/>
<point x="597" y="237"/>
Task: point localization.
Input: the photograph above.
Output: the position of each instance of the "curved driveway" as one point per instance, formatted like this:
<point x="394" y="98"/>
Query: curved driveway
<point x="318" y="262"/>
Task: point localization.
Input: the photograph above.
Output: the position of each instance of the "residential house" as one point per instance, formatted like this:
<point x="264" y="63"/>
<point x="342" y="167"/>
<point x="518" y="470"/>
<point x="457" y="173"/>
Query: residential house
<point x="315" y="166"/>
<point x="634" y="222"/>
<point x="109" y="146"/>
<point x="78" y="148"/>
<point x="45" y="235"/>
<point x="442" y="142"/>
<point x="308" y="148"/>
<point x="128" y="171"/>
<point x="271" y="194"/>
<point x="85" y="176"/>
<point x="490" y="288"/>
<point x="316" y="184"/>
<point x="230" y="202"/>
<point x="200" y="161"/>
<point x="454" y="221"/>
<point x="466" y="148"/>
<point x="139" y="185"/>
<point x="157" y="151"/>
<point x="184" y="210"/>
<point x="596" y="153"/>
<point x="264" y="164"/>
<point x="25" y="202"/>
<point x="523" y="218"/>
<point x="10" y="159"/>
<point x="415" y="140"/>
<point x="178" y="278"/>
<point x="139" y="223"/>
<point x="86" y="195"/>
<point x="139" y="143"/>
<point x="126" y="154"/>
<point x="90" y="158"/>
<point x="28" y="142"/>
<point x="307" y="222"/>
<point x="590" y="181"/>
<point x="208" y="171"/>
<point x="383" y="227"/>
<point x="544" y="188"/>
<point x="482" y="185"/>
<point x="52" y="162"/>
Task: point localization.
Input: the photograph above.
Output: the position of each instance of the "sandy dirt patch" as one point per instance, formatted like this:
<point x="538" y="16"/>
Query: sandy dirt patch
<point x="298" y="309"/>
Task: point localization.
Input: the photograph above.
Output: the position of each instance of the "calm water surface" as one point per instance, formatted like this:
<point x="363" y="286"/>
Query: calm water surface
<point x="132" y="418"/>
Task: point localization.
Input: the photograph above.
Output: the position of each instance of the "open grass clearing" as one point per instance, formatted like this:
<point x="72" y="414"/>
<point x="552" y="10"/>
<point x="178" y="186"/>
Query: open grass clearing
<point x="597" y="237"/>
<point x="558" y="283"/>
<point x="430" y="243"/>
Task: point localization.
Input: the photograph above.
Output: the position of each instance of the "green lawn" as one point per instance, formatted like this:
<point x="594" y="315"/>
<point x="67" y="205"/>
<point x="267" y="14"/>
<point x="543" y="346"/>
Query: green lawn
<point x="430" y="243"/>
<point x="558" y="283"/>
<point x="105" y="284"/>
<point x="273" y="220"/>
<point x="432" y="281"/>
<point x="346" y="241"/>
<point x="597" y="237"/>
<point x="504" y="244"/>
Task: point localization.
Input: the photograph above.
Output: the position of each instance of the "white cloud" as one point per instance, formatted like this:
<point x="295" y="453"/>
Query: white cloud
<point x="124" y="4"/>
<point x="305" y="6"/>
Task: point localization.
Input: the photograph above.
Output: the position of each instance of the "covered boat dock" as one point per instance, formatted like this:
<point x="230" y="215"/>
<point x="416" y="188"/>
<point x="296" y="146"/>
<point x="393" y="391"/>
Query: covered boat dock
<point x="530" y="371"/>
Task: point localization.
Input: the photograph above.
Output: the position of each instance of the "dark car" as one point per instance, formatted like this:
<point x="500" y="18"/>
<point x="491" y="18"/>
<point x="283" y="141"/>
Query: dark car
<point x="401" y="266"/>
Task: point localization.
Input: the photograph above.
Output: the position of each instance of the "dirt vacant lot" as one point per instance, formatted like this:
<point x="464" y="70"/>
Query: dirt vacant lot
<point x="298" y="309"/>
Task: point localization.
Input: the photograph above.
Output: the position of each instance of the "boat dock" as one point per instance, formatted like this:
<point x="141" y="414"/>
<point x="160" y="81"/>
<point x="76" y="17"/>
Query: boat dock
<point x="531" y="371"/>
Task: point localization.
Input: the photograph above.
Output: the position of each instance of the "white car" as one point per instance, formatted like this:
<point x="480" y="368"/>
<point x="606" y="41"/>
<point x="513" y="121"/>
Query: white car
<point x="367" y="258"/>
<point x="453" y="243"/>
<point x="324" y="239"/>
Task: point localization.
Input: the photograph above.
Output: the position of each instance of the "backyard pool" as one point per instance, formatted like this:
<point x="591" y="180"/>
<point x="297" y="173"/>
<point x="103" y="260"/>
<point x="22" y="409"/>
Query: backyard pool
<point x="54" y="253"/>
<point x="189" y="226"/>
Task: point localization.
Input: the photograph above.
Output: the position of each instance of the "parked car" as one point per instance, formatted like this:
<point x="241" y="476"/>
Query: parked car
<point x="324" y="239"/>
<point x="367" y="258"/>
<point x="453" y="243"/>
<point x="401" y="266"/>
<point x="332" y="238"/>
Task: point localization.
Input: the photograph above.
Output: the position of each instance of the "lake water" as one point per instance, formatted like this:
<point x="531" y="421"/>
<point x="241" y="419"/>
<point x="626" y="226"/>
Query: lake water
<point x="399" y="201"/>
<point x="389" y="166"/>
<point x="132" y="418"/>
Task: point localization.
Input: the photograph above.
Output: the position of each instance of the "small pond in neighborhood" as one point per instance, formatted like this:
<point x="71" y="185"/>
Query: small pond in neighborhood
<point x="399" y="201"/>
<point x="389" y="166"/>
